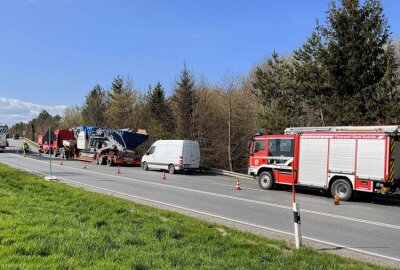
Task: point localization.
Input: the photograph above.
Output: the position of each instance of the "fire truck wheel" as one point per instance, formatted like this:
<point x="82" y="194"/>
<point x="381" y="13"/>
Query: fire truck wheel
<point x="342" y="188"/>
<point x="171" y="169"/>
<point x="145" y="166"/>
<point x="265" y="180"/>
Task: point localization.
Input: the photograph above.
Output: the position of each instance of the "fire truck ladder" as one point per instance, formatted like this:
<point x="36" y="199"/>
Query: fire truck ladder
<point x="388" y="129"/>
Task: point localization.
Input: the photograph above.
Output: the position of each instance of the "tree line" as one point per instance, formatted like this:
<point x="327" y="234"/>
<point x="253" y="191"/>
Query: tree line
<point x="346" y="73"/>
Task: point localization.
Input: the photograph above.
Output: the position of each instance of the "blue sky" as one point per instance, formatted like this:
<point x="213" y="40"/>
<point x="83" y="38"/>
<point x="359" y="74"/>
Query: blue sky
<point x="52" y="52"/>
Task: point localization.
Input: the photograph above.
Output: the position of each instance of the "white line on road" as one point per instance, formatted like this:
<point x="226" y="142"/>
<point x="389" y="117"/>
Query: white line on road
<point x="397" y="227"/>
<point x="392" y="226"/>
<point x="215" y="216"/>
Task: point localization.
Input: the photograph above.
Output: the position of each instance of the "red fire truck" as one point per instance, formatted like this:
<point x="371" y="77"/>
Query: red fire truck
<point x="338" y="159"/>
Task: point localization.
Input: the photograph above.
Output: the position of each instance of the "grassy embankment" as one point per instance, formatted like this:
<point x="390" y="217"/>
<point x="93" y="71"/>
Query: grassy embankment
<point x="46" y="225"/>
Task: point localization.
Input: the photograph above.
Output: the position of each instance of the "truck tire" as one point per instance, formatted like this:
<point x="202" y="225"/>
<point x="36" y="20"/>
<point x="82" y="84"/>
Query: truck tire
<point x="145" y="166"/>
<point x="266" y="180"/>
<point x="102" y="160"/>
<point x="343" y="188"/>
<point x="110" y="162"/>
<point x="171" y="169"/>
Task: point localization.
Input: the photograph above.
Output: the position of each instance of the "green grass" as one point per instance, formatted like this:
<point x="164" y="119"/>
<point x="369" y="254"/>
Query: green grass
<point x="47" y="225"/>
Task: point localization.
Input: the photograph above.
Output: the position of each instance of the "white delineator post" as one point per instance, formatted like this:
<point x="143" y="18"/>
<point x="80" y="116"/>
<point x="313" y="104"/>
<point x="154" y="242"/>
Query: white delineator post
<point x="297" y="224"/>
<point x="296" y="212"/>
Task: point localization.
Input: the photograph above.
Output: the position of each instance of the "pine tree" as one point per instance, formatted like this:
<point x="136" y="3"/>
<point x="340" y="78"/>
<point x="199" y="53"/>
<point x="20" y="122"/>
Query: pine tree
<point x="94" y="108"/>
<point x="388" y="93"/>
<point x="156" y="100"/>
<point x="184" y="99"/>
<point x="355" y="57"/>
<point x="122" y="108"/>
<point x="161" y="119"/>
<point x="312" y="88"/>
<point x="117" y="86"/>
<point x="273" y="85"/>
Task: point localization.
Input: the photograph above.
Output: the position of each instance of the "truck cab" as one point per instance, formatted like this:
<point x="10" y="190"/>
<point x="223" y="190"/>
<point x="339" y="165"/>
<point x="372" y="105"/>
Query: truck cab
<point x="271" y="159"/>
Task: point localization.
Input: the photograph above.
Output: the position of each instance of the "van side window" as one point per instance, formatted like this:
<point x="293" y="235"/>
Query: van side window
<point x="259" y="145"/>
<point x="151" y="150"/>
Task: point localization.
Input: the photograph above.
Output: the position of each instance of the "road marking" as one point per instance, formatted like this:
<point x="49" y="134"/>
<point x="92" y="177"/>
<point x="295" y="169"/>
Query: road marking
<point x="243" y="188"/>
<point x="216" y="216"/>
<point x="397" y="227"/>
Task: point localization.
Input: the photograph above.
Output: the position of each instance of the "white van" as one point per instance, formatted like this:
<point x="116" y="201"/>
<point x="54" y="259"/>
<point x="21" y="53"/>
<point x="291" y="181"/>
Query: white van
<point x="172" y="155"/>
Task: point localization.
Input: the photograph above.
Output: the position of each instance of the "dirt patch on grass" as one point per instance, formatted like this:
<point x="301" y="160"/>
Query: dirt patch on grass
<point x="222" y="231"/>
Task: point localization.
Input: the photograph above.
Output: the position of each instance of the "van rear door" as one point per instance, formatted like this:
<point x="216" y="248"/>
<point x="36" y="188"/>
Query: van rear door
<point x="191" y="155"/>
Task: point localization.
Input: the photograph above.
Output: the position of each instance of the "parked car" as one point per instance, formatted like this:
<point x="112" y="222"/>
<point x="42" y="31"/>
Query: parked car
<point x="172" y="155"/>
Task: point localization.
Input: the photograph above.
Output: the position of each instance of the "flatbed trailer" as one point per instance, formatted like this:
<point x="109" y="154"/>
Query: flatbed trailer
<point x="117" y="160"/>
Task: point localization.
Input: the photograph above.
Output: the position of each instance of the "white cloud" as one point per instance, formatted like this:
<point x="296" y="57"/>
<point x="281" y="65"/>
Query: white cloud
<point x="14" y="111"/>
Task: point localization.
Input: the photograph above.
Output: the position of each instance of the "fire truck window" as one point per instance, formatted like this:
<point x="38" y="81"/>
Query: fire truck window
<point x="286" y="147"/>
<point x="259" y="145"/>
<point x="273" y="147"/>
<point x="280" y="147"/>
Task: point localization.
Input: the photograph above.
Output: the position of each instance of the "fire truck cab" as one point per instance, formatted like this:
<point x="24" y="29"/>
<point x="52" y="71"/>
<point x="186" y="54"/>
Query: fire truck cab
<point x="337" y="159"/>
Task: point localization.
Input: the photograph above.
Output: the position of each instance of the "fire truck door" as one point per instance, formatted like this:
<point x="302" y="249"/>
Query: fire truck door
<point x="259" y="153"/>
<point x="280" y="153"/>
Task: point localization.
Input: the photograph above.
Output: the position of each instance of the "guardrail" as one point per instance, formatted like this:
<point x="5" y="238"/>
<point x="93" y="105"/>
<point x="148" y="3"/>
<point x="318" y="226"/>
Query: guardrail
<point x="228" y="173"/>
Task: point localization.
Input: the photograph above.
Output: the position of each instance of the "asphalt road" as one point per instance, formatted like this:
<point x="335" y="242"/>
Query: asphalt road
<point x="368" y="231"/>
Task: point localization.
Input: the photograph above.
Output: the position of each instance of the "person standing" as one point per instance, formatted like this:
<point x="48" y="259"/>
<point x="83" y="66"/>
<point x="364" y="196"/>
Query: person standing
<point x="25" y="148"/>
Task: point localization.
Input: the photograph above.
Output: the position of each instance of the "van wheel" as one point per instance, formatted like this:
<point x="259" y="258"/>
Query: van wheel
<point x="342" y="188"/>
<point x="265" y="180"/>
<point x="145" y="166"/>
<point x="171" y="169"/>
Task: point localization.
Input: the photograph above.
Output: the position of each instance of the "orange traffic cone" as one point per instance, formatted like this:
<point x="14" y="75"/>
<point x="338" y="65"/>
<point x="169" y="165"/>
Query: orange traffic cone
<point x="336" y="200"/>
<point x="84" y="165"/>
<point x="238" y="185"/>
<point x="118" y="170"/>
<point x="163" y="176"/>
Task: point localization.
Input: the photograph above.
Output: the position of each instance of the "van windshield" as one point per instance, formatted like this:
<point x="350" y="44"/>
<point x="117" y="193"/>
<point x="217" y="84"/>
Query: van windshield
<point x="151" y="150"/>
